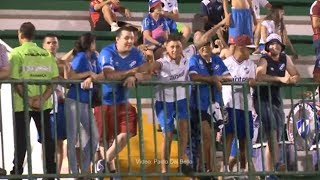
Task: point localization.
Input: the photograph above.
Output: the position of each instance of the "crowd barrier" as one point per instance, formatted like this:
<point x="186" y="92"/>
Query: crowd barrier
<point x="299" y="147"/>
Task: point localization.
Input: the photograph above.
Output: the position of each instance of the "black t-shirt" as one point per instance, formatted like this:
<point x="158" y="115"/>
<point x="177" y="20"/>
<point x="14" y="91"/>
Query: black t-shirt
<point x="274" y="68"/>
<point x="213" y="9"/>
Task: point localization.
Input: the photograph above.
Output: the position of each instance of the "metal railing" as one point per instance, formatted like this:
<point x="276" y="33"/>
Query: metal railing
<point x="299" y="147"/>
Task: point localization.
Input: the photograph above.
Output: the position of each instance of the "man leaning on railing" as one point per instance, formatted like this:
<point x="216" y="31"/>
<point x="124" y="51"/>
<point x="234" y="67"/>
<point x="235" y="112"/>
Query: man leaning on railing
<point x="272" y="67"/>
<point x="121" y="61"/>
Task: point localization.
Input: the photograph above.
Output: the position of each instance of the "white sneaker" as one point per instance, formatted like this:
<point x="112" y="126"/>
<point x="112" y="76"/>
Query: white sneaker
<point x="114" y="27"/>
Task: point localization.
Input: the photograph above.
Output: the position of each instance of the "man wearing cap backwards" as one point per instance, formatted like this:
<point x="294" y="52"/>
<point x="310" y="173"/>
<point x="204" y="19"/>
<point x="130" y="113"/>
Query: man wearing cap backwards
<point x="315" y="22"/>
<point x="272" y="67"/>
<point x="241" y="69"/>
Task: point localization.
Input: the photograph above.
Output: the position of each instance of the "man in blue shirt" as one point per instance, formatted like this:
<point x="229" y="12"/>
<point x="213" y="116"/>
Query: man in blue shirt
<point x="208" y="68"/>
<point x="121" y="62"/>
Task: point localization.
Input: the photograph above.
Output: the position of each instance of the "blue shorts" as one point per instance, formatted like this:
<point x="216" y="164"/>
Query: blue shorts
<point x="235" y="147"/>
<point x="241" y="23"/>
<point x="167" y="121"/>
<point x="239" y="118"/>
<point x="60" y="123"/>
<point x="272" y="117"/>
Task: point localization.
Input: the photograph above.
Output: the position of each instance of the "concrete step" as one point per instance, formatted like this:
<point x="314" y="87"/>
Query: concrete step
<point x="79" y="20"/>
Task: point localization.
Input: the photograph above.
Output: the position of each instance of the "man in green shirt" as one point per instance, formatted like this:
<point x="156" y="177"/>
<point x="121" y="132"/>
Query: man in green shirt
<point x="30" y="62"/>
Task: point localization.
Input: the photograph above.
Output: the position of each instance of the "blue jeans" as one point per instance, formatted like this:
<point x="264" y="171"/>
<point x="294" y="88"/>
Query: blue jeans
<point x="77" y="113"/>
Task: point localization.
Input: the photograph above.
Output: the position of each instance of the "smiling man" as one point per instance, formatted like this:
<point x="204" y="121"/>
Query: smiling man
<point x="272" y="67"/>
<point x="121" y="61"/>
<point x="173" y="66"/>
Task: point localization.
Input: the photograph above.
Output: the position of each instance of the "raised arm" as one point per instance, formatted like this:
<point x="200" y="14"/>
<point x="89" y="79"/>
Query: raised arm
<point x="225" y="8"/>
<point x="172" y="15"/>
<point x="208" y="35"/>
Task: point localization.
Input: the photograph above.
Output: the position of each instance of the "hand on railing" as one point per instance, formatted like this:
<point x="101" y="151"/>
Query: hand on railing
<point x="252" y="82"/>
<point x="285" y="79"/>
<point x="216" y="81"/>
<point x="87" y="83"/>
<point x="294" y="79"/>
<point x="130" y="82"/>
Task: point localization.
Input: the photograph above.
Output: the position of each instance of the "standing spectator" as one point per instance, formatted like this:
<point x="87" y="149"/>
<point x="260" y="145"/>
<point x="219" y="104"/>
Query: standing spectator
<point x="241" y="69"/>
<point x="272" y="68"/>
<point x="29" y="61"/>
<point x="170" y="10"/>
<point x="120" y="61"/>
<point x="4" y="63"/>
<point x="155" y="28"/>
<point x="4" y="74"/>
<point x="84" y="67"/>
<point x="209" y="68"/>
<point x="107" y="18"/>
<point x="57" y="116"/>
<point x="256" y="4"/>
<point x="241" y="21"/>
<point x="315" y="22"/>
<point x="173" y="66"/>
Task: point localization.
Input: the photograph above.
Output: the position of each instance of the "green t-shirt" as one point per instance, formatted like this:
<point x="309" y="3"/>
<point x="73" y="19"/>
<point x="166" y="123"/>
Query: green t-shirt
<point x="29" y="61"/>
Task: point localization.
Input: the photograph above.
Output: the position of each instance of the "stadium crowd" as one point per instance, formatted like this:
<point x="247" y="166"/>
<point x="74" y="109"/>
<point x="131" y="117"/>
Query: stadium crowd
<point x="159" y="49"/>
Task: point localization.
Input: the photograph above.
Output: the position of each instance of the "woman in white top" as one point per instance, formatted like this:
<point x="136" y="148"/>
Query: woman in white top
<point x="268" y="26"/>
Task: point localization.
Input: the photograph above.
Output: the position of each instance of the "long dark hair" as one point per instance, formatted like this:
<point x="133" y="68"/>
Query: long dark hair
<point x="274" y="15"/>
<point x="84" y="42"/>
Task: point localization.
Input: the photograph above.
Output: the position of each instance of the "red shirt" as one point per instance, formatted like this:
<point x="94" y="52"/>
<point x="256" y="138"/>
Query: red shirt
<point x="315" y="12"/>
<point x="93" y="13"/>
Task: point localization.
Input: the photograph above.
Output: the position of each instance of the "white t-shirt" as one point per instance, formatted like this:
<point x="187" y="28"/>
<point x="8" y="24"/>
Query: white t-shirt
<point x="170" y="5"/>
<point x="269" y="24"/>
<point x="256" y="6"/>
<point x="58" y="91"/>
<point x="170" y="71"/>
<point x="240" y="72"/>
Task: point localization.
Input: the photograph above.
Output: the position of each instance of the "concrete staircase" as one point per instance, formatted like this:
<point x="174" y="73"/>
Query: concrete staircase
<point x="79" y="20"/>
